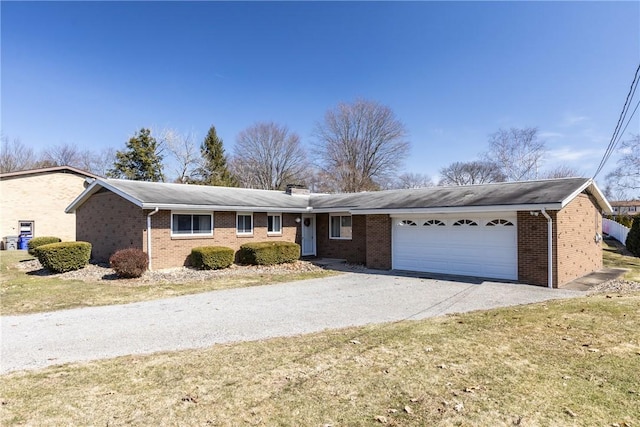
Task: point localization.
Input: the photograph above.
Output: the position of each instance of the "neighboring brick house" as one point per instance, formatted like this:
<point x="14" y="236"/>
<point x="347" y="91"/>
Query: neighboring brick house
<point x="490" y="231"/>
<point x="34" y="201"/>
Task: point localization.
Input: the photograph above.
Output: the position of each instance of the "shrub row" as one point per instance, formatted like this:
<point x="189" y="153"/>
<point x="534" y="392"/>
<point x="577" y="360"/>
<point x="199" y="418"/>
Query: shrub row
<point x="64" y="256"/>
<point x="36" y="242"/>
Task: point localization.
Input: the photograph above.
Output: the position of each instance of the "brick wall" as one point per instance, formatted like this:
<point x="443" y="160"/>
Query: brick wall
<point x="168" y="251"/>
<point x="353" y="250"/>
<point x="532" y="248"/>
<point x="109" y="223"/>
<point x="578" y="253"/>
<point x="378" y="241"/>
<point x="575" y="251"/>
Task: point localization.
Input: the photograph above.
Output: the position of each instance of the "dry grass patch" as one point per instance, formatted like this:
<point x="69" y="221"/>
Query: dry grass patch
<point x="572" y="362"/>
<point x="23" y="292"/>
<point x="615" y="255"/>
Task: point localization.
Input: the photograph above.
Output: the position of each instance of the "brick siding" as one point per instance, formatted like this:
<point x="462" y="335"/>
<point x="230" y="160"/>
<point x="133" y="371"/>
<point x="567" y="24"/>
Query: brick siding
<point x="109" y="223"/>
<point x="575" y="251"/>
<point x="378" y="242"/>
<point x="353" y="250"/>
<point x="533" y="248"/>
<point x="168" y="251"/>
<point x="578" y="253"/>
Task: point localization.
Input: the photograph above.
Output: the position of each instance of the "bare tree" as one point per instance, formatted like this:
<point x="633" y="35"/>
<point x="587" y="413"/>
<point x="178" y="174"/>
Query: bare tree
<point x="412" y="180"/>
<point x="15" y="156"/>
<point x="360" y="145"/>
<point x="182" y="149"/>
<point x="63" y="155"/>
<point x="518" y="152"/>
<point x="467" y="173"/>
<point x="102" y="161"/>
<point x="562" y="171"/>
<point x="268" y="156"/>
<point x="625" y="178"/>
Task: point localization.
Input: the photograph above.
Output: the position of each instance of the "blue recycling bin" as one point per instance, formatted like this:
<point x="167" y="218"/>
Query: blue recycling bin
<point x="23" y="242"/>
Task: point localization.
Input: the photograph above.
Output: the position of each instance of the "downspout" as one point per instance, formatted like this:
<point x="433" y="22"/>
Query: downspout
<point x="149" y="235"/>
<point x="550" y="247"/>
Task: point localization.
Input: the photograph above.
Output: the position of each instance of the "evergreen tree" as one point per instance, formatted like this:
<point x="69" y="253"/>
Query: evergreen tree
<point x="141" y="160"/>
<point x="213" y="170"/>
<point x="633" y="238"/>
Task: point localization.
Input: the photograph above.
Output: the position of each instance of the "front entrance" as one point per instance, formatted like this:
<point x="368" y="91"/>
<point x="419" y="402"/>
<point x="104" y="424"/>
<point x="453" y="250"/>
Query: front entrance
<point x="308" y="225"/>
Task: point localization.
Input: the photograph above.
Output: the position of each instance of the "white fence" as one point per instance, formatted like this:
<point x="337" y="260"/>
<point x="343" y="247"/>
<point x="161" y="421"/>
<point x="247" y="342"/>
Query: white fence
<point x="615" y="230"/>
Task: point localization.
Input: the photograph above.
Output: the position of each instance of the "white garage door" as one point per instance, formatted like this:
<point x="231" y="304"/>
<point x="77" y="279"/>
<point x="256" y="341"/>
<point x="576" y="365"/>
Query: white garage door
<point x="469" y="245"/>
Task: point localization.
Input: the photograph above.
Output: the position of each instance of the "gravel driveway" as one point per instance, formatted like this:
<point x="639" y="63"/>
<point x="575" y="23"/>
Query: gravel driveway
<point x="194" y="321"/>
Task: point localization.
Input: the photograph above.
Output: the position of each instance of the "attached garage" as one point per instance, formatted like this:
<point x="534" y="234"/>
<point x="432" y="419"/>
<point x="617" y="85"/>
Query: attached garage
<point x="481" y="245"/>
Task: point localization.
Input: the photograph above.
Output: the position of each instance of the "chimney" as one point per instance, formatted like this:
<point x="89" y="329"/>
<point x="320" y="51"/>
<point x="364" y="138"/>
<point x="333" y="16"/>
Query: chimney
<point x="297" y="190"/>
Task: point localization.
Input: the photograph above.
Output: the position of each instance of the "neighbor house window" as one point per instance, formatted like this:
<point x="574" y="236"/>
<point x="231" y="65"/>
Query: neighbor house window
<point x="274" y="224"/>
<point x="340" y="227"/>
<point x="244" y="223"/>
<point x="186" y="224"/>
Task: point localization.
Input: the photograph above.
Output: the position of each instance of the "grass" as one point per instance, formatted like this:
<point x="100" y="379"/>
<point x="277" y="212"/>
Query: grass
<point x="615" y="255"/>
<point x="21" y="293"/>
<point x="561" y="363"/>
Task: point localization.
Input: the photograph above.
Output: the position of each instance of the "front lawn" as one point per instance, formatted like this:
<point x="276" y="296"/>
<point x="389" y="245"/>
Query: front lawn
<point x="29" y="293"/>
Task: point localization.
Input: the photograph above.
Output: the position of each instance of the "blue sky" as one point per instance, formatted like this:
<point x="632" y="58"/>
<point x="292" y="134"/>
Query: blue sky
<point x="92" y="73"/>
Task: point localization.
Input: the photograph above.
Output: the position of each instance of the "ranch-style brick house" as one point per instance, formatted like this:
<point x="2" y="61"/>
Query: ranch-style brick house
<point x="544" y="232"/>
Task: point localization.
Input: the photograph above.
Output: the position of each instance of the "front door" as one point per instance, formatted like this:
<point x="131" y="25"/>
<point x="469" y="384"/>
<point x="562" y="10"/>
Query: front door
<point x="308" y="235"/>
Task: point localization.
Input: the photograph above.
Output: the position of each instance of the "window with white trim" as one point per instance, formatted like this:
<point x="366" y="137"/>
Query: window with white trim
<point x="340" y="227"/>
<point x="435" y="222"/>
<point x="191" y="224"/>
<point x="408" y="222"/>
<point x="244" y="224"/>
<point x="274" y="224"/>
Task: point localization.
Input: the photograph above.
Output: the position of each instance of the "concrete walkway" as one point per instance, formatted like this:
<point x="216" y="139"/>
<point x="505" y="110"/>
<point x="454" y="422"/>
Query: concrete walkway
<point x="202" y="320"/>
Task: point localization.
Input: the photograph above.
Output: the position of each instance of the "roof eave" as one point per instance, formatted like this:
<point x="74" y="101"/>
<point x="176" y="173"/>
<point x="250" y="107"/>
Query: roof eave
<point x="593" y="189"/>
<point x="93" y="188"/>
<point x="459" y="209"/>
<point x="214" y="208"/>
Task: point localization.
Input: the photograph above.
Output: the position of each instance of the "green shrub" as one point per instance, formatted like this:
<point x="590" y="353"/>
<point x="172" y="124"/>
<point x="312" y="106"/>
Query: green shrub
<point x="64" y="256"/>
<point x="633" y="238"/>
<point x="39" y="241"/>
<point x="129" y="263"/>
<point x="268" y="253"/>
<point x="212" y="257"/>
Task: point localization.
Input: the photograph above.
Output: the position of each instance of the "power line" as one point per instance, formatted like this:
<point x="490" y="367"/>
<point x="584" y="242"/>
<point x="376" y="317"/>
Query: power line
<point x="617" y="135"/>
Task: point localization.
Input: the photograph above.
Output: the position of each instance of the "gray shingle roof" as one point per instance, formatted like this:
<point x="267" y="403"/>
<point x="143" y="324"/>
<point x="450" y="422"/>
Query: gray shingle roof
<point x="497" y="194"/>
<point x="149" y="195"/>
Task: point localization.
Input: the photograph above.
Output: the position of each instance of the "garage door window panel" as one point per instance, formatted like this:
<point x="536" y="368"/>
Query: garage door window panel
<point x="467" y="222"/>
<point x="434" y="222"/>
<point x="500" y="222"/>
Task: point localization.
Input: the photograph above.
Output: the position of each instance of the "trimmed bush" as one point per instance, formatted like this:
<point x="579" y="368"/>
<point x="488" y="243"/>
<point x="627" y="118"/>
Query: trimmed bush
<point x="268" y="253"/>
<point x="64" y="256"/>
<point x="129" y="263"/>
<point x="212" y="257"/>
<point x="39" y="241"/>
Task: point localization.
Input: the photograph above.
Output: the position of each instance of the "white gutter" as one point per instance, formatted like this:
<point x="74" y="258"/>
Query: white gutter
<point x="549" y="248"/>
<point x="445" y="210"/>
<point x="149" y="235"/>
